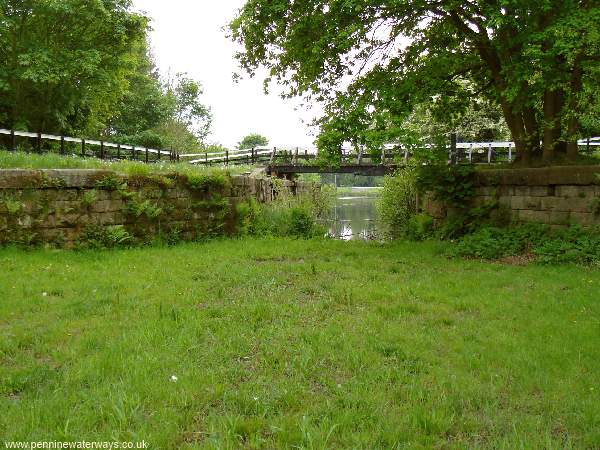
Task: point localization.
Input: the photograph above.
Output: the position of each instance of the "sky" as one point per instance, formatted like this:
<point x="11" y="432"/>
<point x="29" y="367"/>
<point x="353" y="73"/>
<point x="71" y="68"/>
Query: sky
<point x="188" y="37"/>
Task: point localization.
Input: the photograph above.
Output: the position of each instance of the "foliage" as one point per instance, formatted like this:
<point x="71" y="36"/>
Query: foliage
<point x="252" y="141"/>
<point x="419" y="227"/>
<point x="371" y="62"/>
<point x="277" y="220"/>
<point x="468" y="220"/>
<point x="74" y="54"/>
<point x="397" y="203"/>
<point x="207" y="181"/>
<point x="89" y="198"/>
<point x="139" y="208"/>
<point x="287" y="215"/>
<point x="571" y="245"/>
<point x="22" y="160"/>
<point x="103" y="237"/>
<point x="13" y="206"/>
<point x="91" y="64"/>
<point x="450" y="184"/>
<point x="110" y="183"/>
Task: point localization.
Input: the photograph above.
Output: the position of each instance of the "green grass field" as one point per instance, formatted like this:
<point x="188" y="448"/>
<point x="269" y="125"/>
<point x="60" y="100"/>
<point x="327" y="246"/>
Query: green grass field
<point x="297" y="344"/>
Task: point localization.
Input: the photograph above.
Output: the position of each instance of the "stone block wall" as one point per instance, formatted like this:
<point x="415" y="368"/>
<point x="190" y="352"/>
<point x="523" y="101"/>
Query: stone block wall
<point x="557" y="196"/>
<point x="60" y="206"/>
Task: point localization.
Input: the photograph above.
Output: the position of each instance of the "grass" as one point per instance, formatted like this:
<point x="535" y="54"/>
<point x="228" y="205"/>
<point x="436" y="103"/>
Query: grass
<point x="22" y="160"/>
<point x="297" y="344"/>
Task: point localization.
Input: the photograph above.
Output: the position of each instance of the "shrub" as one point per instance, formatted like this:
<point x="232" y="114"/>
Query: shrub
<point x="452" y="185"/>
<point x="571" y="245"/>
<point x="398" y="202"/>
<point x="420" y="227"/>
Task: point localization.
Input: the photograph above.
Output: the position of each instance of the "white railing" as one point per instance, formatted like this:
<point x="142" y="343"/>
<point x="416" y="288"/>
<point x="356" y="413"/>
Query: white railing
<point x="51" y="137"/>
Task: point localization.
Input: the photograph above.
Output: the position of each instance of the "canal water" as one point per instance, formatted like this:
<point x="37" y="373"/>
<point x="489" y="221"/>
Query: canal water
<point x="355" y="214"/>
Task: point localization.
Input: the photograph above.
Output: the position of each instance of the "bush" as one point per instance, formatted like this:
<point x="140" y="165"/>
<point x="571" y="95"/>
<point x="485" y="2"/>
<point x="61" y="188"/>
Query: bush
<point x="420" y="227"/>
<point x="571" y="245"/>
<point x="452" y="185"/>
<point x="398" y="202"/>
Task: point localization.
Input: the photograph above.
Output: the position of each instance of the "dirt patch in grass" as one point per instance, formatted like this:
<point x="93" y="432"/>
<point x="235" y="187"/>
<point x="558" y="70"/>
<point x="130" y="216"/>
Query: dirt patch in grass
<point x="518" y="260"/>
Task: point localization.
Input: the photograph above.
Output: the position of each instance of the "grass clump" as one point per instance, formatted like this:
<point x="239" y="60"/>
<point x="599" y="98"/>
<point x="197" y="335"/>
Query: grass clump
<point x="287" y="215"/>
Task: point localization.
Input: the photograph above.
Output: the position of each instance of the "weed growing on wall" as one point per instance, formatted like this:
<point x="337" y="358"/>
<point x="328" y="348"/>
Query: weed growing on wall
<point x="89" y="198"/>
<point x="103" y="237"/>
<point x="13" y="206"/>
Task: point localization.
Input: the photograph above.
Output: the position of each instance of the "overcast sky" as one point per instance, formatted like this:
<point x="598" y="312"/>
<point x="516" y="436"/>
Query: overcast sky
<point x="187" y="37"/>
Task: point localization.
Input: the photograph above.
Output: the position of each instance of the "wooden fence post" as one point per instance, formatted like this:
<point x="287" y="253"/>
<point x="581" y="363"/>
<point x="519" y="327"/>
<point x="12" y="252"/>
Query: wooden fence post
<point x="83" y="148"/>
<point x="206" y="158"/>
<point x="253" y="156"/>
<point x="383" y="156"/>
<point x="226" y="157"/>
<point x="62" y="145"/>
<point x="101" y="149"/>
<point x="39" y="143"/>
<point x="133" y="152"/>
<point x="273" y="155"/>
<point x="159" y="155"/>
<point x="296" y="157"/>
<point x="13" y="140"/>
<point x="146" y="156"/>
<point x="587" y="147"/>
<point x="490" y="153"/>
<point x="119" y="151"/>
<point x="470" y="152"/>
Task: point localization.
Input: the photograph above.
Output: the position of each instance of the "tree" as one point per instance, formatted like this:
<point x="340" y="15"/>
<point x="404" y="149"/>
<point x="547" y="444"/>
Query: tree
<point x="252" y="141"/>
<point x="158" y="114"/>
<point x="371" y="61"/>
<point x="64" y="64"/>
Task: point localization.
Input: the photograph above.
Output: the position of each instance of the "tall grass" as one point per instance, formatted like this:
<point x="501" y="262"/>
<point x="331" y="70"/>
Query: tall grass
<point x="22" y="160"/>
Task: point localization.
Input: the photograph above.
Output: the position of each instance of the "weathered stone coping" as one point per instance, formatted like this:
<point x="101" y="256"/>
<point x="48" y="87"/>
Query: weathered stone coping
<point x="542" y="176"/>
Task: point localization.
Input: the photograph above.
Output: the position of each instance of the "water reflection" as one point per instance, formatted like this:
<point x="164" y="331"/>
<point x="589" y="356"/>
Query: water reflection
<point x="354" y="215"/>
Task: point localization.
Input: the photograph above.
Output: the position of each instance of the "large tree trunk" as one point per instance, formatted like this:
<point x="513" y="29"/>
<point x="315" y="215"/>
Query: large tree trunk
<point x="524" y="137"/>
<point x="573" y="121"/>
<point x="553" y="104"/>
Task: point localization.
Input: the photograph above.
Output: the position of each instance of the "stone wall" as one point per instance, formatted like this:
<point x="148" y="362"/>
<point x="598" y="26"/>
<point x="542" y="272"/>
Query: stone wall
<point x="60" y="206"/>
<point x="557" y="196"/>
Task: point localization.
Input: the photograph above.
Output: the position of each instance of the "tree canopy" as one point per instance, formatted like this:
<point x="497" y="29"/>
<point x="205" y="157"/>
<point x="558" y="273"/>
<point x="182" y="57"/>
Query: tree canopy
<point x="372" y="61"/>
<point x="83" y="67"/>
<point x="252" y="141"/>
